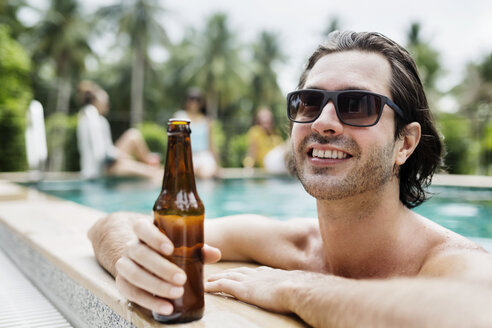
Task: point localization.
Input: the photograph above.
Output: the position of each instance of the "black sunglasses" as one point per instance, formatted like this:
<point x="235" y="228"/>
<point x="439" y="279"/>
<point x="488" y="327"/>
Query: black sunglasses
<point x="194" y="98"/>
<point x="353" y="107"/>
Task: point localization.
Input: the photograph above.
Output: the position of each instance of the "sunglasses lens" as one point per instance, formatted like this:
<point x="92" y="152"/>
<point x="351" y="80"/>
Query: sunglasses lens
<point x="304" y="106"/>
<point x="359" y="109"/>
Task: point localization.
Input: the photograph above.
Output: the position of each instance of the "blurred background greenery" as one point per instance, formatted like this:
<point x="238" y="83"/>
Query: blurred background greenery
<point x="46" y="61"/>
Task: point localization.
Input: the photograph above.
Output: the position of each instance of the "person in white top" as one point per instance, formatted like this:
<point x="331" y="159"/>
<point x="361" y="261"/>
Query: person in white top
<point x="129" y="156"/>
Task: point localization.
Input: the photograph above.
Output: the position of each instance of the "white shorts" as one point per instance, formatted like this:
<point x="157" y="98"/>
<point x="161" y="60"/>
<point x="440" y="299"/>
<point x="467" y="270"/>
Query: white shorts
<point x="274" y="161"/>
<point x="204" y="164"/>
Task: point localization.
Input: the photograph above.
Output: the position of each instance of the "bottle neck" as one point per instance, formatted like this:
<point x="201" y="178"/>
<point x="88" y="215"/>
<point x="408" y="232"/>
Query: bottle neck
<point x="179" y="174"/>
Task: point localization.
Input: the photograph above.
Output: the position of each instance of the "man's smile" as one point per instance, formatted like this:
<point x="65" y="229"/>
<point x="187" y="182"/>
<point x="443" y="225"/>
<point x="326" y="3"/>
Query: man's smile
<point x="328" y="153"/>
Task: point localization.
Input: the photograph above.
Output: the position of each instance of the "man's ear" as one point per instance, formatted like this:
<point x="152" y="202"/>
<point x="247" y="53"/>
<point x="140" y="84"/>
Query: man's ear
<point x="407" y="142"/>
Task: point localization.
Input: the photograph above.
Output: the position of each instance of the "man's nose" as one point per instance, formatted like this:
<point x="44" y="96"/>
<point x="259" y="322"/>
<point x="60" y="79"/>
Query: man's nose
<point x="328" y="122"/>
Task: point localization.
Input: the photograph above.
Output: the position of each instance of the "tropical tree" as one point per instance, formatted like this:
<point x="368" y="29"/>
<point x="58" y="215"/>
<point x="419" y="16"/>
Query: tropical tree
<point x="138" y="23"/>
<point x="485" y="111"/>
<point x="60" y="40"/>
<point x="15" y="94"/>
<point x="181" y="68"/>
<point x="8" y="16"/>
<point x="475" y="103"/>
<point x="267" y="54"/>
<point x="426" y="57"/>
<point x="218" y="67"/>
<point x="461" y="149"/>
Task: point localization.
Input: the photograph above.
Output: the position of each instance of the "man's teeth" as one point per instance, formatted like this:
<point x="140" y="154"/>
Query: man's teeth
<point x="333" y="154"/>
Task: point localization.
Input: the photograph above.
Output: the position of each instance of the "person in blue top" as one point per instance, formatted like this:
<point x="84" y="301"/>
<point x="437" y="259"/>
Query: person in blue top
<point x="204" y="155"/>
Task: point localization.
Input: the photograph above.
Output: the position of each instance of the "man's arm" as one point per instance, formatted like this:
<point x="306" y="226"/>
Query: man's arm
<point x="134" y="251"/>
<point x="291" y="244"/>
<point x="454" y="297"/>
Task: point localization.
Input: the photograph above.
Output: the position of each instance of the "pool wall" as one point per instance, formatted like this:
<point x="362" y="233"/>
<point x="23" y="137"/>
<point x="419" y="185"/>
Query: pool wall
<point x="78" y="305"/>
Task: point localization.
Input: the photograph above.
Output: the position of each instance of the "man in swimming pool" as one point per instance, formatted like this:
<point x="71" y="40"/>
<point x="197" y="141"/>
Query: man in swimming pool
<point x="366" y="155"/>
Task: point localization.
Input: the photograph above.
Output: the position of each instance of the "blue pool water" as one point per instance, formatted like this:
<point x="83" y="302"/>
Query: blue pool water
<point x="467" y="211"/>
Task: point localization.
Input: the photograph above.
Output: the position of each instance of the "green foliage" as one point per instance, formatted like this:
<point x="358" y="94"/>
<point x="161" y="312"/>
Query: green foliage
<point x="218" y="140"/>
<point x="156" y="137"/>
<point x="8" y="16"/>
<point x="218" y="68"/>
<point x="237" y="150"/>
<point x="486" y="68"/>
<point x="487" y="138"/>
<point x="426" y="57"/>
<point x="137" y="24"/>
<point x="475" y="99"/>
<point x="60" y="42"/>
<point x="461" y="150"/>
<point x="235" y="78"/>
<point x="61" y="135"/>
<point x="15" y="94"/>
<point x="267" y="54"/>
<point x="487" y="149"/>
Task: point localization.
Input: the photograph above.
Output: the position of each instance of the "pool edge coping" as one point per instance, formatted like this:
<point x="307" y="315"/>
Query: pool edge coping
<point x="439" y="179"/>
<point x="27" y="204"/>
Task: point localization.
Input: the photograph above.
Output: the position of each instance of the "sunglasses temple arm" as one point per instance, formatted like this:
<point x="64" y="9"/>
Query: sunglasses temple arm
<point x="395" y="108"/>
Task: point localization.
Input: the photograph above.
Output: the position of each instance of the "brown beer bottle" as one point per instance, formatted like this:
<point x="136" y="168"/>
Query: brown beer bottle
<point x="179" y="213"/>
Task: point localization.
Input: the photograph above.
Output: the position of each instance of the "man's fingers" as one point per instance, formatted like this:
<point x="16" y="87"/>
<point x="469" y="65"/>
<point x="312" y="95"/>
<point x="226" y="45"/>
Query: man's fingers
<point x="210" y="254"/>
<point x="227" y="286"/>
<point x="142" y="279"/>
<point x="142" y="297"/>
<point x="228" y="274"/>
<point x="150" y="234"/>
<point x="155" y="263"/>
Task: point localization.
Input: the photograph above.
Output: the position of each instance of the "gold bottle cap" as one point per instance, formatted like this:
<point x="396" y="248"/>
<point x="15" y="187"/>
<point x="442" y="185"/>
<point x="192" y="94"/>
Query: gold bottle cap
<point x="179" y="121"/>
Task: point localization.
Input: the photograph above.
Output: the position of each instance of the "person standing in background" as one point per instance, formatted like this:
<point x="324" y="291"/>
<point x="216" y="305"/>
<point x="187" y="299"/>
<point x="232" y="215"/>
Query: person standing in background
<point x="204" y="155"/>
<point x="266" y="149"/>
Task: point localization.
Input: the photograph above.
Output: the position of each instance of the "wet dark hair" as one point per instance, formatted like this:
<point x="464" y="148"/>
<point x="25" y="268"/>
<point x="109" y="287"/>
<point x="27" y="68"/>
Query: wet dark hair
<point x="408" y="93"/>
<point x="88" y="98"/>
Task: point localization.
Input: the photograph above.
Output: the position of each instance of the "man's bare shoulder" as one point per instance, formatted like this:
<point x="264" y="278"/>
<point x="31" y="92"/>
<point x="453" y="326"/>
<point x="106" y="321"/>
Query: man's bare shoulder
<point x="305" y="230"/>
<point x="308" y="241"/>
<point x="456" y="256"/>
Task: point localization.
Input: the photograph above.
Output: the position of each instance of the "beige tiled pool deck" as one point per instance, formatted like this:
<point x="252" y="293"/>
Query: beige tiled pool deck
<point x="46" y="238"/>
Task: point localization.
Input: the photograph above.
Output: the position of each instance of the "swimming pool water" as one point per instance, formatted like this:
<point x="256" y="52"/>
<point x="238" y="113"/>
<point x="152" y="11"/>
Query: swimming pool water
<point x="467" y="211"/>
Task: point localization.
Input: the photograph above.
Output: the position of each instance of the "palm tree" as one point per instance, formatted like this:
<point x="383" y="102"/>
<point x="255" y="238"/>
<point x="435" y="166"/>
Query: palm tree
<point x="426" y="57"/>
<point x="180" y="69"/>
<point x="212" y="61"/>
<point x="61" y="37"/>
<point x="138" y="21"/>
<point x="8" y="16"/>
<point x="475" y="98"/>
<point x="266" y="55"/>
<point x="218" y="68"/>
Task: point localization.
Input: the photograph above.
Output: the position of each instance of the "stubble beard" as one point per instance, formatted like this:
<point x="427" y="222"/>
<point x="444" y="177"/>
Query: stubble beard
<point x="367" y="174"/>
